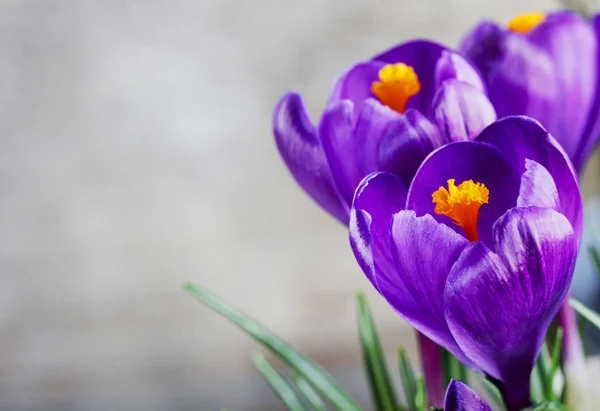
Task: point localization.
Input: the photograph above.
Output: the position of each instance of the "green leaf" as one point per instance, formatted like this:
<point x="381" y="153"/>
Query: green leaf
<point x="420" y="398"/>
<point x="278" y="384"/>
<point x="409" y="382"/>
<point x="555" y="360"/>
<point x="308" y="393"/>
<point x="315" y="375"/>
<point x="543" y="369"/>
<point x="492" y="391"/>
<point x="453" y="368"/>
<point x="382" y="390"/>
<point x="590" y="315"/>
<point x="547" y="406"/>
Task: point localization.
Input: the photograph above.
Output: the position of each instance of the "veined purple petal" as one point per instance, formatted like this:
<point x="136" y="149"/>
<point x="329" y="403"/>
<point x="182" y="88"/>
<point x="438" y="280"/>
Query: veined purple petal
<point x="499" y="305"/>
<point x="538" y="188"/>
<point x="303" y="154"/>
<point x="571" y="43"/>
<point x="521" y="138"/>
<point x="352" y="149"/>
<point x="405" y="144"/>
<point x="463" y="161"/>
<point x="591" y="134"/>
<point x="355" y="85"/>
<point x="422" y="55"/>
<point x="453" y="66"/>
<point x="424" y="252"/>
<point x="461" y="111"/>
<point x="377" y="198"/>
<point x="461" y="397"/>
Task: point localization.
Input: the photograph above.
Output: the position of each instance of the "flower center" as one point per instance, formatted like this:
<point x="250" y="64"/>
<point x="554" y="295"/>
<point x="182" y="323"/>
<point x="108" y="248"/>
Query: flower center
<point x="523" y="23"/>
<point x="461" y="203"/>
<point x="397" y="83"/>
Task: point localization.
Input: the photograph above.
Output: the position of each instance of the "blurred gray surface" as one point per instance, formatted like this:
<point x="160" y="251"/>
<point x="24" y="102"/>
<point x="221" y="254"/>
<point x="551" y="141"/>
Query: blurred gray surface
<point x="137" y="154"/>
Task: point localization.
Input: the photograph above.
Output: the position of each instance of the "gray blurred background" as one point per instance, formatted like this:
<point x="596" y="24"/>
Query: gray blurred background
<point x="137" y="154"/>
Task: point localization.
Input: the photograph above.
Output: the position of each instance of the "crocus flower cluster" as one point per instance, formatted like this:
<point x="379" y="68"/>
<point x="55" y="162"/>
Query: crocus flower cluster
<point x="456" y="174"/>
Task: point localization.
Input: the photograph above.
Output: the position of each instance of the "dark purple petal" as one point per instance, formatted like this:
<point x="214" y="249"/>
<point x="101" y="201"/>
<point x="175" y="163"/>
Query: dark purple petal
<point x="461" y="397"/>
<point x="571" y="43"/>
<point x="377" y="198"/>
<point x="591" y="134"/>
<point x="453" y="66"/>
<point x="405" y="144"/>
<point x="424" y="252"/>
<point x="520" y="75"/>
<point x="538" y="188"/>
<point x="521" y="138"/>
<point x="355" y="85"/>
<point x="421" y="55"/>
<point x="498" y="306"/>
<point x="461" y="111"/>
<point x="352" y="150"/>
<point x="463" y="161"/>
<point x="303" y="154"/>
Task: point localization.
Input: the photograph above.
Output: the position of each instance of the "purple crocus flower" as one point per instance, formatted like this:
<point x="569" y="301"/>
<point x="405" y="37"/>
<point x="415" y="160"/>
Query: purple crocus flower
<point x="480" y="267"/>
<point x="461" y="397"/>
<point x="544" y="66"/>
<point x="384" y="114"/>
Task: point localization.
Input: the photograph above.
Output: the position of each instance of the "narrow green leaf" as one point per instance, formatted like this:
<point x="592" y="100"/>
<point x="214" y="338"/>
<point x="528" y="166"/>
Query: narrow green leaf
<point x="420" y="398"/>
<point x="595" y="257"/>
<point x="382" y="390"/>
<point x="453" y="368"/>
<point x="409" y="382"/>
<point x="538" y="386"/>
<point x="309" y="395"/>
<point x="547" y="406"/>
<point x="555" y="361"/>
<point x="590" y="315"/>
<point x="543" y="368"/>
<point x="278" y="384"/>
<point x="492" y="391"/>
<point x="315" y="375"/>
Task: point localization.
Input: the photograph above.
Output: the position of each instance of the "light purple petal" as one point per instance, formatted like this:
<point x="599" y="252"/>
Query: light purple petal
<point x="461" y="397"/>
<point x="571" y="43"/>
<point x="498" y="306"/>
<point x="377" y="198"/>
<point x="352" y="150"/>
<point x="463" y="161"/>
<point x="453" y="66"/>
<point x="482" y="44"/>
<point x="521" y="138"/>
<point x="355" y="85"/>
<point x="405" y="144"/>
<point x="591" y="134"/>
<point x="538" y="188"/>
<point x="303" y="154"/>
<point x="424" y="252"/>
<point x="422" y="55"/>
<point x="461" y="111"/>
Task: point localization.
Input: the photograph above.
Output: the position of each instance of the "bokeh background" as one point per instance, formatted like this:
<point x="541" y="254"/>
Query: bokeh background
<point x="137" y="154"/>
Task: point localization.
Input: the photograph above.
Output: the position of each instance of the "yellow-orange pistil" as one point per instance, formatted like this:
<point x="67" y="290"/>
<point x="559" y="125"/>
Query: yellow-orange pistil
<point x="397" y="83"/>
<point x="523" y="23"/>
<point x="461" y="203"/>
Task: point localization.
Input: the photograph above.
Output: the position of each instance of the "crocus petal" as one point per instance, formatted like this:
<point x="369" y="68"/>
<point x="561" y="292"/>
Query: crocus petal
<point x="461" y="397"/>
<point x="303" y="154"/>
<point x="424" y="252"/>
<point x="453" y="66"/>
<point x="591" y="134"/>
<point x="377" y="198"/>
<point x="421" y="55"/>
<point x="521" y="138"/>
<point x="468" y="160"/>
<point x="538" y="188"/>
<point x="355" y="85"/>
<point x="498" y="306"/>
<point x="405" y="144"/>
<point x="520" y="75"/>
<point x="352" y="150"/>
<point x="461" y="111"/>
<point x="571" y="43"/>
